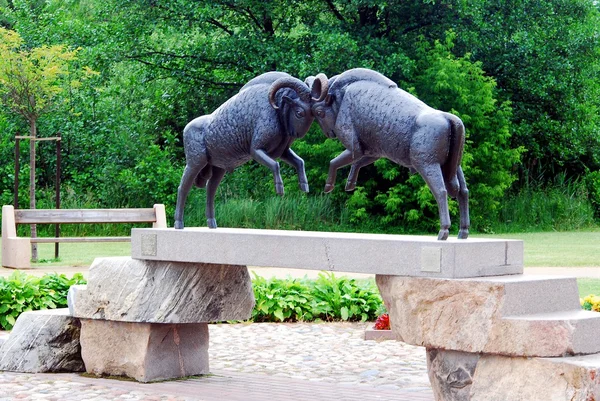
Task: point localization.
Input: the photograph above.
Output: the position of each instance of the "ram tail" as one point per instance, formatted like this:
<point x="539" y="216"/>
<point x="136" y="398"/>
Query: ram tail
<point x="455" y="152"/>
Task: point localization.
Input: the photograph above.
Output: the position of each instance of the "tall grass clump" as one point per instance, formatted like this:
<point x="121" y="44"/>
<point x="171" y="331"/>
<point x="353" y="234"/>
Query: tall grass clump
<point x="562" y="205"/>
<point x="290" y="212"/>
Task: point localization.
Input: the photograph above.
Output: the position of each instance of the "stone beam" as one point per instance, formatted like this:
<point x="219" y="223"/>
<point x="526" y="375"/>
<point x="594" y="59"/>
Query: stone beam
<point x="401" y="255"/>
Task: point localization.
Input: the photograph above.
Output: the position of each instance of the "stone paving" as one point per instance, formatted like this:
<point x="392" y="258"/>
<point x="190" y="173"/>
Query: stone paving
<point x="262" y="361"/>
<point x="327" y="352"/>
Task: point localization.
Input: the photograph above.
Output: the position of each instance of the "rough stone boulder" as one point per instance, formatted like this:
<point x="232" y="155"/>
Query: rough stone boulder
<point x="129" y="290"/>
<point x="43" y="341"/>
<point x="508" y="315"/>
<point x="462" y="376"/>
<point x="3" y="337"/>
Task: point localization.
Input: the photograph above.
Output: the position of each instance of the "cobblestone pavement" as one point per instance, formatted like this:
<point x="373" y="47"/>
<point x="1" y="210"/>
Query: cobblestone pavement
<point x="261" y="361"/>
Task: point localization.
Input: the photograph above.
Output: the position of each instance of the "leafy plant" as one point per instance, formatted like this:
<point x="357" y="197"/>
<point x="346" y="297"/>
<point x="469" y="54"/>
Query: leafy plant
<point x="282" y="300"/>
<point x="346" y="299"/>
<point x="327" y="298"/>
<point x="22" y="293"/>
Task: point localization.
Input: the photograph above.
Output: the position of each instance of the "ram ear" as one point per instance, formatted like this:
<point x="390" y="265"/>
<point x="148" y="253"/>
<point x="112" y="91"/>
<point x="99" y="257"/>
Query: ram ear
<point x="287" y="99"/>
<point x="329" y="100"/>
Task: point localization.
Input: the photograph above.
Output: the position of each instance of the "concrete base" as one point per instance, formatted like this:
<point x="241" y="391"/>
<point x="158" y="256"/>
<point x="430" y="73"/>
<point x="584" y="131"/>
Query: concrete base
<point x="402" y="255"/>
<point x="379" y="335"/>
<point x="144" y="351"/>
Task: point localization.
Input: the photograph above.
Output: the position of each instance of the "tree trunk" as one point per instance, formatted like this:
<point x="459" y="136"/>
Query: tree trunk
<point x="32" y="142"/>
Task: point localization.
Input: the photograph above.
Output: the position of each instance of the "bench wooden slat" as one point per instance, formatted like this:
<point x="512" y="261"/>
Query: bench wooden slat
<point x="48" y="240"/>
<point x="84" y="216"/>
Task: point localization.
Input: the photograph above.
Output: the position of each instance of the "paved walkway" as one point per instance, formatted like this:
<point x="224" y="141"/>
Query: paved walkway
<point x="262" y="361"/>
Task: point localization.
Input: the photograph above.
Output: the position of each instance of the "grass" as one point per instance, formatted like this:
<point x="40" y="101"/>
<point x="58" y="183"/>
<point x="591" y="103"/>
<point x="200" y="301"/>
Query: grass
<point x="588" y="286"/>
<point x="558" y="249"/>
<point x="80" y="254"/>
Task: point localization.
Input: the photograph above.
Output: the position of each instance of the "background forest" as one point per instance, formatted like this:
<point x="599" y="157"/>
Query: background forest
<point x="523" y="75"/>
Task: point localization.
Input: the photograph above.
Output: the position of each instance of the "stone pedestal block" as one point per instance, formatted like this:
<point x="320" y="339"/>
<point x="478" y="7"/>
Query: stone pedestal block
<point x="127" y="290"/>
<point x="507" y="315"/>
<point x="41" y="342"/>
<point x="144" y="351"/>
<point x="461" y="376"/>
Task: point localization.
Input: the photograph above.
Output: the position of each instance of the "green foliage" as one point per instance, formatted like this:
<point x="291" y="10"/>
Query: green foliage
<point x="522" y="75"/>
<point x="22" y="293"/>
<point x="545" y="58"/>
<point x="592" y="181"/>
<point x="345" y="298"/>
<point x="31" y="80"/>
<point x="282" y="300"/>
<point x="560" y="206"/>
<point x="327" y="298"/>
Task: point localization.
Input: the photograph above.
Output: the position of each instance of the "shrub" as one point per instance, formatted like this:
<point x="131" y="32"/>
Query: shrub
<point x="327" y="298"/>
<point x="282" y="300"/>
<point x="344" y="298"/>
<point x="22" y="293"/>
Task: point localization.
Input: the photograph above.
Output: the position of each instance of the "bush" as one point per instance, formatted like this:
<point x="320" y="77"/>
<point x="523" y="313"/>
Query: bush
<point x="282" y="300"/>
<point x="22" y="293"/>
<point x="344" y="298"/>
<point x="326" y="298"/>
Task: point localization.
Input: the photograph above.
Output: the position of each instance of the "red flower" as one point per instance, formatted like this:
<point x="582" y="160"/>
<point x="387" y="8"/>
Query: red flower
<point x="383" y="322"/>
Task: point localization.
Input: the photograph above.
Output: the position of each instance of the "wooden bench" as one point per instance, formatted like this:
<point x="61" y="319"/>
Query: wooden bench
<point x="16" y="251"/>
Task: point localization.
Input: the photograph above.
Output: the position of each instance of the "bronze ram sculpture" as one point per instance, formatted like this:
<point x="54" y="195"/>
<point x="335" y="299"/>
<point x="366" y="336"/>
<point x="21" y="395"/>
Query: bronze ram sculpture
<point x="373" y="118"/>
<point x="260" y="122"/>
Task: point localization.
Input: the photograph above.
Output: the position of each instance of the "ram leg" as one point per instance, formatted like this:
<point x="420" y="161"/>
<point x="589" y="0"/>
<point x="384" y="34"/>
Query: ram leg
<point x="354" y="170"/>
<point x="263" y="158"/>
<point x="291" y="158"/>
<point x="343" y="159"/>
<point x="187" y="180"/>
<point x="432" y="174"/>
<point x="463" y="205"/>
<point x="211" y="190"/>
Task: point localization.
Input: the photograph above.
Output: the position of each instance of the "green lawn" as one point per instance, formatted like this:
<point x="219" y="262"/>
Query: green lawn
<point x="80" y="254"/>
<point x="563" y="249"/>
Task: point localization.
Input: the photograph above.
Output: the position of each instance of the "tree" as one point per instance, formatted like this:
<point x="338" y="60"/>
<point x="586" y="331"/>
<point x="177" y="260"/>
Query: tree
<point x="31" y="81"/>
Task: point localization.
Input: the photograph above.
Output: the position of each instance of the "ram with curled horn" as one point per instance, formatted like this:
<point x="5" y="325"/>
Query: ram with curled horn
<point x="260" y="122"/>
<point x="373" y="118"/>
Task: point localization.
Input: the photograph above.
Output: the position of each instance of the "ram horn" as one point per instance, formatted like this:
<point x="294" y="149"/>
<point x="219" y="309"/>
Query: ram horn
<point x="289" y="82"/>
<point x="319" y="87"/>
